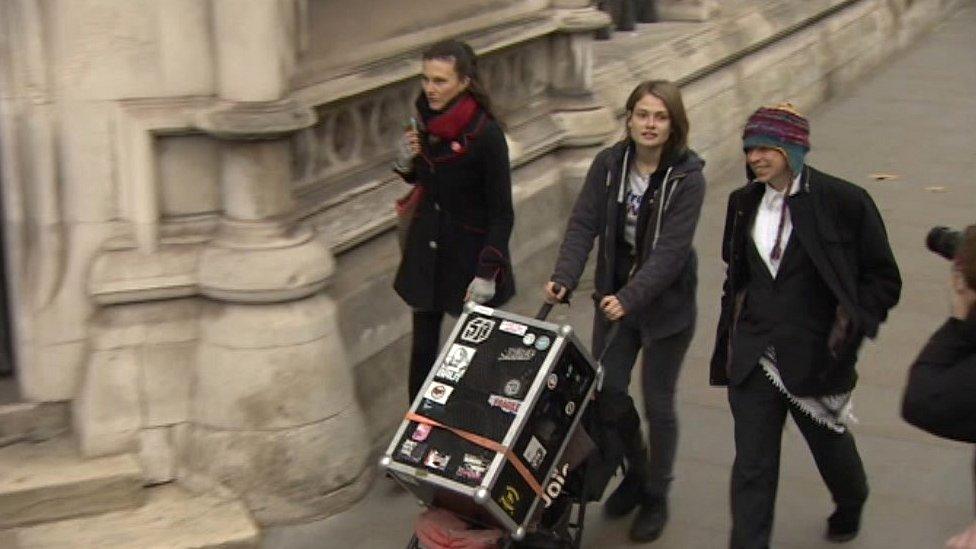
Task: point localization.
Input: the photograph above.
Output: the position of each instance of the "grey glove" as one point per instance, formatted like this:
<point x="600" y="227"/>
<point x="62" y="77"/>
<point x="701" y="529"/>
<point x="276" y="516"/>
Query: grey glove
<point x="481" y="290"/>
<point x="404" y="155"/>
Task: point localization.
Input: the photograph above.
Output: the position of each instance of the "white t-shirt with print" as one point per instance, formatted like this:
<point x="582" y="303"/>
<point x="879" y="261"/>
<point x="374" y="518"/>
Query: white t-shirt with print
<point x="636" y="187"/>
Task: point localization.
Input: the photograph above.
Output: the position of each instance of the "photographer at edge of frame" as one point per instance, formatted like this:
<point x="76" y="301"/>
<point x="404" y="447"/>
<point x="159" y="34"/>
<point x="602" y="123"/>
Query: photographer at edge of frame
<point x="940" y="397"/>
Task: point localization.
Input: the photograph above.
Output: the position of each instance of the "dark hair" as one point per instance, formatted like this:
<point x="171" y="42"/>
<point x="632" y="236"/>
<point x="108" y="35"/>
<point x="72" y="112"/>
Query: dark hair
<point x="465" y="65"/>
<point x="965" y="259"/>
<point x="670" y="95"/>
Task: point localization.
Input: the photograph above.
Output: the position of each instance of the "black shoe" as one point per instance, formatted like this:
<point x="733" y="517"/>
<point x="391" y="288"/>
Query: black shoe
<point x="625" y="498"/>
<point x="650" y="520"/>
<point x="843" y="525"/>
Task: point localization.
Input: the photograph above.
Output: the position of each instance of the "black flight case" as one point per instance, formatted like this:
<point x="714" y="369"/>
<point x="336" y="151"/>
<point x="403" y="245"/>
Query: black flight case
<point x="485" y="433"/>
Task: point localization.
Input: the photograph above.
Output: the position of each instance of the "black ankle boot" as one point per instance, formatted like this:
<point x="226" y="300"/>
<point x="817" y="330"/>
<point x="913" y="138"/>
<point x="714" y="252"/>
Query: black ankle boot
<point x="625" y="498"/>
<point x="843" y="525"/>
<point x="632" y="488"/>
<point x="650" y="520"/>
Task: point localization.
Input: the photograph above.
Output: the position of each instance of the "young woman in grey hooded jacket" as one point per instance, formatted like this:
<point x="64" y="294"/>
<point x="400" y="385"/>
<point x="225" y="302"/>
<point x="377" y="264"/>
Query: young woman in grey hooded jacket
<point x="641" y="201"/>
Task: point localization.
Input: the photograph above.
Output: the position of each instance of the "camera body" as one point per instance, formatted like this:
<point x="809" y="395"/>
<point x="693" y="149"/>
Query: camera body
<point x="943" y="241"/>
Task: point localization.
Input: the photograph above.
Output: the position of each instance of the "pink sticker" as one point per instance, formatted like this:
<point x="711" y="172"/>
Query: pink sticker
<point x="421" y="432"/>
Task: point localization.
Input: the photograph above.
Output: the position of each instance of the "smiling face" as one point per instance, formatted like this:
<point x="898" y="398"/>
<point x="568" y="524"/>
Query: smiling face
<point x="649" y="123"/>
<point x="441" y="83"/>
<point x="769" y="165"/>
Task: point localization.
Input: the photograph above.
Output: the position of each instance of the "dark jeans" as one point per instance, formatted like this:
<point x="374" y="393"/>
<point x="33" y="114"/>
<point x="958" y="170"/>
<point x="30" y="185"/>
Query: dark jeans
<point x="660" y="366"/>
<point x="759" y="410"/>
<point x="423" y="348"/>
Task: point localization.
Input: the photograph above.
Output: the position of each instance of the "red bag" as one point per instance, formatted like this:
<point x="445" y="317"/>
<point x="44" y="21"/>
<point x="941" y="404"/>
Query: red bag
<point x="441" y="529"/>
<point x="406" y="209"/>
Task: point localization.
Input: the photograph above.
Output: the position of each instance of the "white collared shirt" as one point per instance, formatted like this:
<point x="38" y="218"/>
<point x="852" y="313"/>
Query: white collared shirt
<point x="766" y="225"/>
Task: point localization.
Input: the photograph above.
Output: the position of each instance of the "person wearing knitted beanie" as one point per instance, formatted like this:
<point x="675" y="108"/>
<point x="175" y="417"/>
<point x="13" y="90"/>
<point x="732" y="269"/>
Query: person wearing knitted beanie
<point x="781" y="128"/>
<point x="810" y="273"/>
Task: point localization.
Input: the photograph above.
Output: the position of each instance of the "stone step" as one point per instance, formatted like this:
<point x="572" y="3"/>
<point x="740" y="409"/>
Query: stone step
<point x="32" y="421"/>
<point x="171" y="519"/>
<point x="47" y="481"/>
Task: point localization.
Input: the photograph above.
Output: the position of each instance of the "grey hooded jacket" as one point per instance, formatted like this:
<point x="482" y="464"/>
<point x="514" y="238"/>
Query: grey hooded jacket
<point x="661" y="288"/>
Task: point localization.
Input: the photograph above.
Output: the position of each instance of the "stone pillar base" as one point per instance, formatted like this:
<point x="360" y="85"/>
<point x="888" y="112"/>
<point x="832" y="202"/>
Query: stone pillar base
<point x="282" y="476"/>
<point x="274" y="417"/>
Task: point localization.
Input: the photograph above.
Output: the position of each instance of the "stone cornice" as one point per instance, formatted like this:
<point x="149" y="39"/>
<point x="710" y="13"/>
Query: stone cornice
<point x="581" y="20"/>
<point x="264" y="120"/>
<point x="404" y="66"/>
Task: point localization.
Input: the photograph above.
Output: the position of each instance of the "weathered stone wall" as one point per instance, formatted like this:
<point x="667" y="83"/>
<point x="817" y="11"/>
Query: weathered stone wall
<point x="176" y="178"/>
<point x="339" y="37"/>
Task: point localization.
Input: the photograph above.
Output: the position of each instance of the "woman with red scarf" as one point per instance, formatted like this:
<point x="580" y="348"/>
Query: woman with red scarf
<point x="456" y="245"/>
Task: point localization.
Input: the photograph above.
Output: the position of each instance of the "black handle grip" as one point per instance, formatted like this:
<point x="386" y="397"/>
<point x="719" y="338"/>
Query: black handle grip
<point x="547" y="307"/>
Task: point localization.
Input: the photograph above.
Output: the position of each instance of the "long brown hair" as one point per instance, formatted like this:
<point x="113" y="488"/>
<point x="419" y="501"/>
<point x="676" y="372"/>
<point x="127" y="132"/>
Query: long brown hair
<point x="669" y="94"/>
<point x="465" y="65"/>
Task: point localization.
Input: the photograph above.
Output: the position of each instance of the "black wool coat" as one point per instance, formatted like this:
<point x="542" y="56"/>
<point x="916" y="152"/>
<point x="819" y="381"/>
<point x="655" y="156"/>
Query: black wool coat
<point x="462" y="226"/>
<point x="841" y="230"/>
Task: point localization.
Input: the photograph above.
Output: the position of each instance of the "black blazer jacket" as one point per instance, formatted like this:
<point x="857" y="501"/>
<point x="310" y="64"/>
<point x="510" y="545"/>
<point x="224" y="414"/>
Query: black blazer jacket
<point x="841" y="229"/>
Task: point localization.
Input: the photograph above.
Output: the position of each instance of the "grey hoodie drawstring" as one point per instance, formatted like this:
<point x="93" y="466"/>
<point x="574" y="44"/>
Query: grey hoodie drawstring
<point x="623" y="177"/>
<point x="661" y="205"/>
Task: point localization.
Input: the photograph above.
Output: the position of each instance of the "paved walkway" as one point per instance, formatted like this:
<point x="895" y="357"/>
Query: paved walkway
<point x="914" y="118"/>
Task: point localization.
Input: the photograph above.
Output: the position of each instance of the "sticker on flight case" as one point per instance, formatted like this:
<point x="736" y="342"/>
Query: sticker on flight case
<point x="472" y="467"/>
<point x="456" y="362"/>
<point x="509" y="500"/>
<point x="413" y="450"/>
<point x="570" y="408"/>
<point x="430" y="406"/>
<point x="437" y="460"/>
<point x="552" y="381"/>
<point x="477" y="330"/>
<point x="528" y="339"/>
<point x="555" y="486"/>
<point x="438" y="392"/>
<point x="514" y="328"/>
<point x="512" y="387"/>
<point x="534" y="453"/>
<point x="506" y="404"/>
<point x="421" y="432"/>
<point x="542" y="343"/>
<point x="516" y="354"/>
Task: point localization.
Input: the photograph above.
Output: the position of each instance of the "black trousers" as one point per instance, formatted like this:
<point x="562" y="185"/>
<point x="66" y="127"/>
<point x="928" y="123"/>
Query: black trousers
<point x="759" y="411"/>
<point x="423" y="348"/>
<point x="660" y="366"/>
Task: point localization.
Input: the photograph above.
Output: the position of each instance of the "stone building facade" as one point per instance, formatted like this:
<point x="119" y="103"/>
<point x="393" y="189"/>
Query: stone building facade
<point x="197" y="200"/>
<point x="185" y="183"/>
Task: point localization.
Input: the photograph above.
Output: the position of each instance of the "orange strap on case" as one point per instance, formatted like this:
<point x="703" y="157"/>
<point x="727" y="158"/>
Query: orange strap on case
<point x="484" y="443"/>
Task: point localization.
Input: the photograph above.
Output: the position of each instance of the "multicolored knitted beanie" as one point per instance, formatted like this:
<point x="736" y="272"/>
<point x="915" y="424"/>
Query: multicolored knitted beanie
<point x="781" y="127"/>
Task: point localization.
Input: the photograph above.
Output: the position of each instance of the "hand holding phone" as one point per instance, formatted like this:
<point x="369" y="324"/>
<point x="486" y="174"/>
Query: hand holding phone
<point x="408" y="146"/>
<point x="413" y="136"/>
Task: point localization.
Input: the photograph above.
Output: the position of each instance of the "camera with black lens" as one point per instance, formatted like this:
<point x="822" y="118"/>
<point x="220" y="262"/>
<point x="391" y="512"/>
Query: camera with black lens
<point x="943" y="241"/>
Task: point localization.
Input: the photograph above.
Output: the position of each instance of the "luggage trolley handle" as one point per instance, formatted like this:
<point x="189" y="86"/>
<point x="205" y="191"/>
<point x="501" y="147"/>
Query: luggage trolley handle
<point x="547" y="307"/>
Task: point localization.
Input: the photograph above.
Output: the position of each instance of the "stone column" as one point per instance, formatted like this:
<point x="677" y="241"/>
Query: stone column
<point x="687" y="10"/>
<point x="273" y="414"/>
<point x="582" y="117"/>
